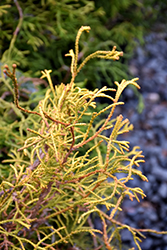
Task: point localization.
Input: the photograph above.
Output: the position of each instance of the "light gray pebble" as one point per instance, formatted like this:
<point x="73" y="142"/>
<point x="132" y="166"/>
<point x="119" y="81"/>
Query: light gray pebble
<point x="163" y="190"/>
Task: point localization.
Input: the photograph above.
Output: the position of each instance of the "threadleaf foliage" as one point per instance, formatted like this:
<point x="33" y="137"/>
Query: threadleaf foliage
<point x="68" y="167"/>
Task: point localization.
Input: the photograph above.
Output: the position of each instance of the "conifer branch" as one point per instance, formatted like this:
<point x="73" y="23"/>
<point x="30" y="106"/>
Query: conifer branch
<point x="60" y="178"/>
<point x="12" y="75"/>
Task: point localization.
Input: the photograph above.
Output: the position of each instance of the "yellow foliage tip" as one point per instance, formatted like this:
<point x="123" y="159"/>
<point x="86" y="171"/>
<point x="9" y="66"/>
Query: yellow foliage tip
<point x="86" y="28"/>
<point x="45" y="73"/>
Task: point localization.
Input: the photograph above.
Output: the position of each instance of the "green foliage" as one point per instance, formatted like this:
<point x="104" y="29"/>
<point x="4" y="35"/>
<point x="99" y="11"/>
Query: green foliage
<point x="42" y="31"/>
<point x="53" y="190"/>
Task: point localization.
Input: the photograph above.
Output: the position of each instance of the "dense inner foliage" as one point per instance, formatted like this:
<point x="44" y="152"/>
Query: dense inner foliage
<point x="52" y="191"/>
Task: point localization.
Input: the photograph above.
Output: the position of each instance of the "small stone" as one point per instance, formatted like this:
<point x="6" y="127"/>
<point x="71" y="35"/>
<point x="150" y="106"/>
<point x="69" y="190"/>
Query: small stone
<point x="146" y="186"/>
<point x="153" y="216"/>
<point x="165" y="238"/>
<point x="141" y="210"/>
<point x="153" y="97"/>
<point x="154" y="198"/>
<point x="97" y="223"/>
<point x="160" y="173"/>
<point x="147" y="243"/>
<point x="126" y="235"/>
<point x="163" y="190"/>
<point x="141" y="55"/>
<point x="150" y="135"/>
<point x="133" y="70"/>
<point x="163" y="213"/>
<point x="129" y="93"/>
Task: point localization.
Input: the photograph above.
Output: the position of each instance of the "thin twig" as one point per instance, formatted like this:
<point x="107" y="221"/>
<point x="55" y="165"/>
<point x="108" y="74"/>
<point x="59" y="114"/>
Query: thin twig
<point x="15" y="33"/>
<point x="71" y="147"/>
<point x="94" y="238"/>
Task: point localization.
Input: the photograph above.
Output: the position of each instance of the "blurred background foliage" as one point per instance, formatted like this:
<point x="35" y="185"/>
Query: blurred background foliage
<point x="48" y="28"/>
<point x="37" y="34"/>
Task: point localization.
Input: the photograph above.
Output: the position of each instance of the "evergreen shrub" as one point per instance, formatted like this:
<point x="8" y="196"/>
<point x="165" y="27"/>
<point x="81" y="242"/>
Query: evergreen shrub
<point x="55" y="187"/>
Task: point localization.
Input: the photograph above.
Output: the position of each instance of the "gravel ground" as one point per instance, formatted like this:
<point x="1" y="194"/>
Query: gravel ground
<point x="150" y="133"/>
